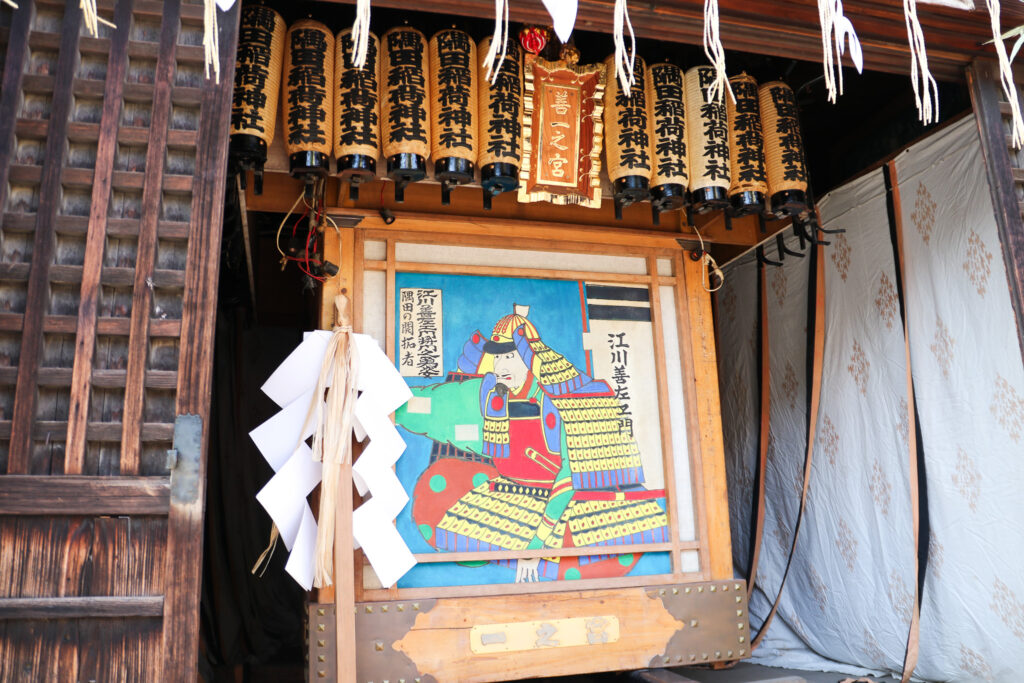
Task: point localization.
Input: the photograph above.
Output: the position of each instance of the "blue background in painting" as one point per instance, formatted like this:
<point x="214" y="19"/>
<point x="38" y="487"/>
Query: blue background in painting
<point x="473" y="303"/>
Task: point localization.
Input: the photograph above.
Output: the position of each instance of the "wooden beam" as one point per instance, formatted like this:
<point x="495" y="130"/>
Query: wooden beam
<point x="195" y="364"/>
<point x="986" y="94"/>
<point x="82" y="607"/>
<point x="95" y="244"/>
<point x="145" y="256"/>
<point x="10" y="95"/>
<point x="78" y="495"/>
<point x="19" y="459"/>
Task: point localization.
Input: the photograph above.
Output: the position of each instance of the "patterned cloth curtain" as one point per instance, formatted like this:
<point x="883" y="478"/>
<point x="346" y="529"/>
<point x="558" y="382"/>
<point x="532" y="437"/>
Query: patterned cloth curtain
<point x="848" y="601"/>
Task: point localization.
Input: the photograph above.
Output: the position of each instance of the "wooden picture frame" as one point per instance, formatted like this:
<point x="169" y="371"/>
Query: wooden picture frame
<point x="504" y="631"/>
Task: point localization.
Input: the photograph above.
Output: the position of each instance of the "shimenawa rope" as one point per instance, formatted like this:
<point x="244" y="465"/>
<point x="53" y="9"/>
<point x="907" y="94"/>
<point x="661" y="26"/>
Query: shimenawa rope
<point x="715" y="53"/>
<point x="926" y="90"/>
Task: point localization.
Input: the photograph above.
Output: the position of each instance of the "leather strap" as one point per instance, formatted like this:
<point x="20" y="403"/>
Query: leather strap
<point x="762" y="437"/>
<point x="816" y="353"/>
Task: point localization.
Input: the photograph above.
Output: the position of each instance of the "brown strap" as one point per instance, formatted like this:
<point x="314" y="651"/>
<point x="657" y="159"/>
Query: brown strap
<point x="762" y="439"/>
<point x="818" y="259"/>
<point x="913" y="637"/>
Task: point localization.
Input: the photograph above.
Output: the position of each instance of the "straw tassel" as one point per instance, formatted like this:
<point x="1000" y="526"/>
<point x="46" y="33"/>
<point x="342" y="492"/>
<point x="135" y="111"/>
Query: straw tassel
<point x="837" y="29"/>
<point x="11" y="3"/>
<point x="926" y="90"/>
<point x="495" y="56"/>
<point x="211" y="41"/>
<point x="361" y="33"/>
<point x="715" y="53"/>
<point x="624" y="64"/>
<point x="91" y="19"/>
<point x="1006" y="74"/>
<point x="332" y="439"/>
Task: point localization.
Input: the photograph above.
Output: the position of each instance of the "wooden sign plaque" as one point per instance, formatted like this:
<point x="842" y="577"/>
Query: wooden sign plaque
<point x="562" y="133"/>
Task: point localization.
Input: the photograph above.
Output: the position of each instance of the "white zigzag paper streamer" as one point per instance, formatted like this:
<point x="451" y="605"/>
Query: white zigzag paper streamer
<point x="281" y="441"/>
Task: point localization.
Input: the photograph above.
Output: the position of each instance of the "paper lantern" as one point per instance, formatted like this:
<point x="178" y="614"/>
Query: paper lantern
<point x="309" y="102"/>
<point x="405" y="108"/>
<point x="749" y="185"/>
<point x="501" y="123"/>
<point x="708" y="132"/>
<point x="356" y="112"/>
<point x="257" y="87"/>
<point x="627" y="130"/>
<point x="453" y="94"/>
<point x="669" y="173"/>
<point x="784" y="150"/>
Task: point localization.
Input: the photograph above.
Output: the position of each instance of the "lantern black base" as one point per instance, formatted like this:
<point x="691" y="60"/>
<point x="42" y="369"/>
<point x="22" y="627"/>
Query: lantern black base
<point x="356" y="169"/>
<point x="498" y="178"/>
<point x="709" y="199"/>
<point x="405" y="168"/>
<point x="452" y="171"/>
<point x="309" y="163"/>
<point x="629" y="190"/>
<point x="249" y="153"/>
<point x="789" y="203"/>
<point x="746" y="203"/>
<point x="667" y="197"/>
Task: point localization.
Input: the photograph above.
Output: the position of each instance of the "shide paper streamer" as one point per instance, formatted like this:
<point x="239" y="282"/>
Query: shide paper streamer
<point x="282" y="441"/>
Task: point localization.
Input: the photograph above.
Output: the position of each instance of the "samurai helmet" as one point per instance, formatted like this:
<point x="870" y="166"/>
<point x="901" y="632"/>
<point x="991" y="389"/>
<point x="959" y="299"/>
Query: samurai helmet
<point x="501" y="336"/>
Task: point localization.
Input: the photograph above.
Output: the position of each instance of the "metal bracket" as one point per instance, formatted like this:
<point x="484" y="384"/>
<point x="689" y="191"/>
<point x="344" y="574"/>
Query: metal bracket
<point x="322" y="643"/>
<point x="714" y="618"/>
<point x="187" y="449"/>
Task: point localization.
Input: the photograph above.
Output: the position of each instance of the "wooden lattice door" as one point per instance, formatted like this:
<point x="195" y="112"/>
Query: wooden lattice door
<point x="112" y="168"/>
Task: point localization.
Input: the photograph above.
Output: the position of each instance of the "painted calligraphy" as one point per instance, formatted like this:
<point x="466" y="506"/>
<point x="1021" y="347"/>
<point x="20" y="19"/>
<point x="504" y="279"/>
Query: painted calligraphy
<point x="405" y="106"/>
<point x="358" y="119"/>
<point x="627" y="126"/>
<point x="618" y="349"/>
<point x="715" y="148"/>
<point x="502" y="108"/>
<point x="746" y="139"/>
<point x="559" y="134"/>
<point x="254" y="103"/>
<point x="419" y="332"/>
<point x="787" y="129"/>
<point x="669" y="112"/>
<point x="307" y="76"/>
<point x="454" y="93"/>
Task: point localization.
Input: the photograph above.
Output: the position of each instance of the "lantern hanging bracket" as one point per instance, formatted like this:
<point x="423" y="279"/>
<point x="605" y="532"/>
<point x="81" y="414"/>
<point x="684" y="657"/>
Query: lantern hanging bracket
<point x="783" y="249"/>
<point x="761" y="258"/>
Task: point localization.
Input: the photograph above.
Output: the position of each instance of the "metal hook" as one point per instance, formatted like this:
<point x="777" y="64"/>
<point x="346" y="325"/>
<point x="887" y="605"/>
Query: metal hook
<point x="783" y="249"/>
<point x="762" y="259"/>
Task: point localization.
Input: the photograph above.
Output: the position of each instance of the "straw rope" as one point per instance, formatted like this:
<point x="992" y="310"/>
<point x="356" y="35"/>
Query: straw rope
<point x="308" y="125"/>
<point x="746" y="138"/>
<point x="493" y="59"/>
<point x="361" y="35"/>
<point x="1006" y="75"/>
<point x="715" y="52"/>
<point x="783" y="145"/>
<point x="90" y="18"/>
<point x="627" y="125"/>
<point x="625" y="64"/>
<point x="356" y="97"/>
<point x="667" y="98"/>
<point x="708" y="131"/>
<point x="211" y="40"/>
<point x="500" y="103"/>
<point x="405" y="113"/>
<point x="254" y="106"/>
<point x="926" y="90"/>
<point x="453" y="94"/>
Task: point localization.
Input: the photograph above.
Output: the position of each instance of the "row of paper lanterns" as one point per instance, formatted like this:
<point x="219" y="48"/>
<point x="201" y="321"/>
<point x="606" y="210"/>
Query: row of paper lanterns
<point x="416" y="100"/>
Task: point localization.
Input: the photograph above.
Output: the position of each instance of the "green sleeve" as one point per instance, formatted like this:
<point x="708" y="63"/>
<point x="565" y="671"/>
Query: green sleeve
<point x="447" y="412"/>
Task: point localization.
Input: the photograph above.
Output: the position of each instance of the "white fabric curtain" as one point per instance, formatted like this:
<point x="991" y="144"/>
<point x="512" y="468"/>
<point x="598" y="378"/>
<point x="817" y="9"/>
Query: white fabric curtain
<point x="848" y="600"/>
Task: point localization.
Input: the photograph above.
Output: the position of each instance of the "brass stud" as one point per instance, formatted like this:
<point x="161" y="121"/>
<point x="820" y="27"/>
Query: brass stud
<point x="321" y="612"/>
<point x="739" y="613"/>
<point x="321" y="674"/>
<point x="416" y="608"/>
<point x="675" y="591"/>
<point x="729" y="653"/>
<point x="369" y="609"/>
<point x="693" y="658"/>
<point x="704" y="655"/>
<point x="378" y="646"/>
<point x="416" y="680"/>
<point x="693" y="623"/>
<point x="725" y="588"/>
<point x="742" y="651"/>
<point x="401" y="608"/>
<point x="321" y="643"/>
<point x="666" y="660"/>
<point x="320" y="627"/>
<point x="718" y="654"/>
<point x="384" y="608"/>
<point x="736" y="586"/>
<point x="661" y="592"/>
<point x="740" y="626"/>
<point x="713" y="589"/>
<point x="321" y="658"/>
<point x="679" y="658"/>
<point x="700" y="589"/>
<point x="739" y="598"/>
<point x="742" y="639"/>
<point x="687" y="591"/>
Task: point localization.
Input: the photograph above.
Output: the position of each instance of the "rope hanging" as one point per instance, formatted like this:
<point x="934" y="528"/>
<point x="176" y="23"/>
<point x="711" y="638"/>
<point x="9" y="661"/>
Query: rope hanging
<point x="91" y="19"/>
<point x="11" y="3"/>
<point x="361" y="33"/>
<point x="1006" y="74"/>
<point x="835" y="26"/>
<point x="715" y="52"/>
<point x="211" y="42"/>
<point x="495" y="56"/>
<point x="624" y="63"/>
<point x="926" y="90"/>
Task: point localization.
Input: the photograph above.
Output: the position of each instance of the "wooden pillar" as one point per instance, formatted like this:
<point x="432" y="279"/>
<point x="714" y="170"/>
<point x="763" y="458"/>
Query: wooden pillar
<point x="1005" y="176"/>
